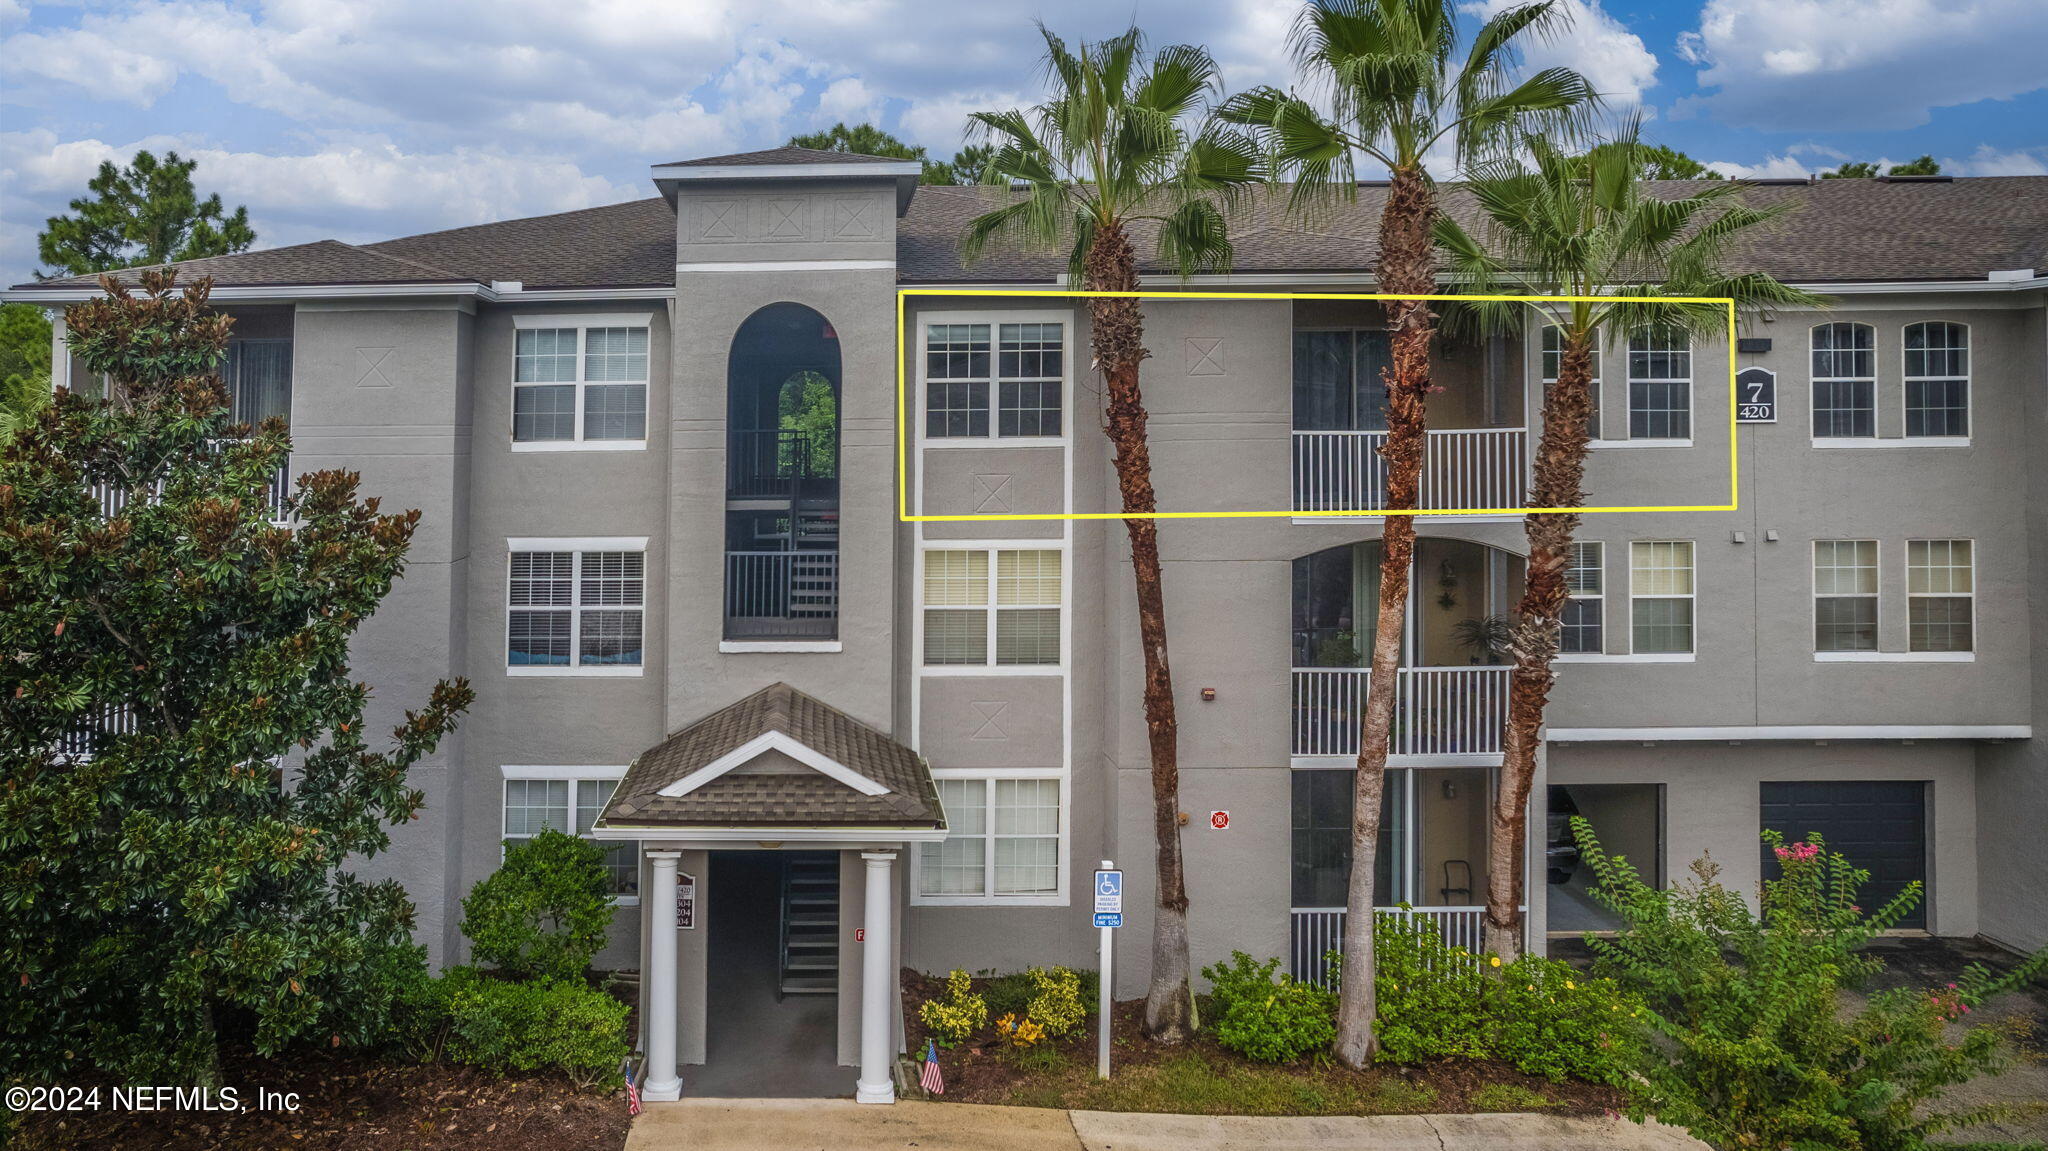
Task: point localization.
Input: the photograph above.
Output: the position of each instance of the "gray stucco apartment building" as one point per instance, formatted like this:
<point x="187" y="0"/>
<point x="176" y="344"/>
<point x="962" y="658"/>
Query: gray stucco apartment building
<point x="656" y="445"/>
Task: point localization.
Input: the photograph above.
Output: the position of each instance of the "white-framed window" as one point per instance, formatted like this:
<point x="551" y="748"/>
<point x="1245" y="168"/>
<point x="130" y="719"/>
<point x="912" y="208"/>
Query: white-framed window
<point x="1660" y="588"/>
<point x="1553" y="357"/>
<point x="576" y="607"/>
<point x="1845" y="595"/>
<point x="1659" y="384"/>
<point x="1844" y="381"/>
<point x="1585" y="580"/>
<point x="1941" y="595"/>
<point x="1019" y="367"/>
<point x="1003" y="842"/>
<point x="579" y="382"/>
<point x="1937" y="380"/>
<point x="992" y="607"/>
<point x="569" y="800"/>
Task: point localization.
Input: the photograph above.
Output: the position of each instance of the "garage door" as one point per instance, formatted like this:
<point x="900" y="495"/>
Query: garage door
<point x="1881" y="827"/>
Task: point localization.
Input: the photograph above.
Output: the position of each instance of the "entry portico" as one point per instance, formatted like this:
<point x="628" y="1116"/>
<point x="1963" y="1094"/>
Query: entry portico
<point x="776" y="772"/>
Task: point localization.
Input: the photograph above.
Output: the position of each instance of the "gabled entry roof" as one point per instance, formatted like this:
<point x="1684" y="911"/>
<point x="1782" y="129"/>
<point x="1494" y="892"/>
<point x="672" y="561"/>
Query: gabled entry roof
<point x="778" y="758"/>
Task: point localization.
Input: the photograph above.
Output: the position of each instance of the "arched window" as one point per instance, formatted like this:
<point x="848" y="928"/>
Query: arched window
<point x="1844" y="381"/>
<point x="1937" y="380"/>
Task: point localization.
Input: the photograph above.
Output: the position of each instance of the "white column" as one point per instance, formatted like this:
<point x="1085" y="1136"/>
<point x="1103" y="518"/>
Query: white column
<point x="877" y="973"/>
<point x="658" y="989"/>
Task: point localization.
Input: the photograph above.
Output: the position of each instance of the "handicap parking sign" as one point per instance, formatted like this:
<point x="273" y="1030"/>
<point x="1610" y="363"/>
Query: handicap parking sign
<point x="1109" y="919"/>
<point x="1109" y="896"/>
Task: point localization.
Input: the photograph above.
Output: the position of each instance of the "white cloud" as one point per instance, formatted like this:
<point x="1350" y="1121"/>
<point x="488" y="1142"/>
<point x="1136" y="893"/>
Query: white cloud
<point x="940" y="122"/>
<point x="1598" y="46"/>
<point x="1989" y="161"/>
<point x="1861" y="64"/>
<point x="1796" y="161"/>
<point x="848" y="100"/>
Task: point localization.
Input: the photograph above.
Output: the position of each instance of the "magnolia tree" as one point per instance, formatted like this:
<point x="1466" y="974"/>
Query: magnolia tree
<point x="184" y="771"/>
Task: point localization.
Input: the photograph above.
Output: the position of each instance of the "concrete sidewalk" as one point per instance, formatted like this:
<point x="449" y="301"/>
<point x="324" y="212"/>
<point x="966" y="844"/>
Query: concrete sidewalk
<point x="842" y="1125"/>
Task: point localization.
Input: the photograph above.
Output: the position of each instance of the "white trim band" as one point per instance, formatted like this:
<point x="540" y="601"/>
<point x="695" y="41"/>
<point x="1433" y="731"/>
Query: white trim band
<point x="1796" y="731"/>
<point x="787" y="266"/>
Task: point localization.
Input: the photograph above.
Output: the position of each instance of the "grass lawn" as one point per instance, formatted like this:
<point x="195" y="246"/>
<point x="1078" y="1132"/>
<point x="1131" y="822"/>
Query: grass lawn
<point x="1201" y="1078"/>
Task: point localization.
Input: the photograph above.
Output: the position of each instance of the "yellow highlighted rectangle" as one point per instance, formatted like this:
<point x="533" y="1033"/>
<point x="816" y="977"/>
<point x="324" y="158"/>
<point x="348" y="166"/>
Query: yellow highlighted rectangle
<point x="903" y="411"/>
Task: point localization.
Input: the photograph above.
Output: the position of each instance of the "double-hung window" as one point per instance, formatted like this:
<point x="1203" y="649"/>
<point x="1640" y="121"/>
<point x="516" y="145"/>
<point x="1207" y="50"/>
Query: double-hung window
<point x="576" y="607"/>
<point x="1937" y="381"/>
<point x="1844" y="595"/>
<point x="1659" y="384"/>
<point x="579" y="382"/>
<point x="1553" y="361"/>
<point x="1844" y="382"/>
<point x="1941" y="586"/>
<point x="1002" y="841"/>
<point x="1021" y="367"/>
<point x="999" y="606"/>
<point x="569" y="800"/>
<point x="1585" y="582"/>
<point x="1660" y="589"/>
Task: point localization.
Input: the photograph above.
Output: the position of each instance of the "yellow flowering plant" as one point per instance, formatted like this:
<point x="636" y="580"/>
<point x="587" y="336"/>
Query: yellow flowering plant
<point x="957" y="1014"/>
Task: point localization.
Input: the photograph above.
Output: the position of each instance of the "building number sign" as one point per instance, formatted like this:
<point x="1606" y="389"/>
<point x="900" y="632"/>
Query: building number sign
<point x="686" y="900"/>
<point x="1756" y="396"/>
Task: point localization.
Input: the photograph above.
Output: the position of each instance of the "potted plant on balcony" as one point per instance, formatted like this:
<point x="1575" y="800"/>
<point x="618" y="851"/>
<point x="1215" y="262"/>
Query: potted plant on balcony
<point x="1488" y="637"/>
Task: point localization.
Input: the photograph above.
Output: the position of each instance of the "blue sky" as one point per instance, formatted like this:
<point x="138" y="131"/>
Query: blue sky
<point x="366" y="119"/>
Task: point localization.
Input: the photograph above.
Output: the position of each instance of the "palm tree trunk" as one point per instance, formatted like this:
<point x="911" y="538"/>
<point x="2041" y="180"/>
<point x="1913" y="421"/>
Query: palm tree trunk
<point x="1407" y="266"/>
<point x="1559" y="471"/>
<point x="1118" y="342"/>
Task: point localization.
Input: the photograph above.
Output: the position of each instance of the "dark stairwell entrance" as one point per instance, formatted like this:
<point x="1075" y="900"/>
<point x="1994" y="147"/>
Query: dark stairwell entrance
<point x="767" y="1037"/>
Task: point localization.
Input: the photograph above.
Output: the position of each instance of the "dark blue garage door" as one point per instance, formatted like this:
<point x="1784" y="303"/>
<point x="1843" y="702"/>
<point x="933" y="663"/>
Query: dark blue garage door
<point x="1881" y="827"/>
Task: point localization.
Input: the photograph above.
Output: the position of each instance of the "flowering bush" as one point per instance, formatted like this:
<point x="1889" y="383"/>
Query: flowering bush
<point x="1266" y="1020"/>
<point x="956" y="1015"/>
<point x="1019" y="1032"/>
<point x="1431" y="997"/>
<point x="1750" y="1047"/>
<point x="1056" y="1000"/>
<point x="1548" y="1019"/>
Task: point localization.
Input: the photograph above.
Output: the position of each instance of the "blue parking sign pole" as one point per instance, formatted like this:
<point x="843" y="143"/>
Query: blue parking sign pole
<point x="1109" y="915"/>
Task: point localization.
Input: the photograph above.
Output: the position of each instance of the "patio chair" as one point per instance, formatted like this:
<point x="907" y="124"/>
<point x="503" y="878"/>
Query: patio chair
<point x="1457" y="880"/>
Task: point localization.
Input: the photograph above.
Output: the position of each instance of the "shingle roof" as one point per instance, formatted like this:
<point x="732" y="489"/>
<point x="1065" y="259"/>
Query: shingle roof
<point x="1839" y="231"/>
<point x="781" y="798"/>
<point x="617" y="246"/>
<point x="320" y="262"/>
<point x="789" y="154"/>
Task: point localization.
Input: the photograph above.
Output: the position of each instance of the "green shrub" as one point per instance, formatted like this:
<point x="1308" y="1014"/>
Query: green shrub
<point x="1549" y="1019"/>
<point x="958" y="1013"/>
<point x="549" y="1024"/>
<point x="1262" y="1019"/>
<point x="1750" y="1045"/>
<point x="1055" y="1001"/>
<point x="1431" y="997"/>
<point x="544" y="913"/>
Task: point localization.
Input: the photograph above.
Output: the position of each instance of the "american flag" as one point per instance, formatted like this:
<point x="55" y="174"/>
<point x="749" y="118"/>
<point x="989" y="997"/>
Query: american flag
<point x="632" y="1092"/>
<point x="931" y="1079"/>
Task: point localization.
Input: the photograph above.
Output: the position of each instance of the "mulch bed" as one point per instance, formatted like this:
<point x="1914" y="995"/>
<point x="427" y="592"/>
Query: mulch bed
<point x="357" y="1104"/>
<point x="981" y="1071"/>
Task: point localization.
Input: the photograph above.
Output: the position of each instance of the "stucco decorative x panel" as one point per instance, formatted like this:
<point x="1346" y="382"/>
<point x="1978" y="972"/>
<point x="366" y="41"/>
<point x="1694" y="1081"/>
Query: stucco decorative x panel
<point x="786" y="218"/>
<point x="371" y="361"/>
<point x="986" y="714"/>
<point x="717" y="221"/>
<point x="854" y="218"/>
<point x="991" y="493"/>
<point x="1204" y="355"/>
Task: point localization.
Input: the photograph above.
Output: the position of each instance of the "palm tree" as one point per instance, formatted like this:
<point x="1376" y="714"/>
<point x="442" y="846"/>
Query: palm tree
<point x="1110" y="148"/>
<point x="1388" y="74"/>
<point x="1581" y="226"/>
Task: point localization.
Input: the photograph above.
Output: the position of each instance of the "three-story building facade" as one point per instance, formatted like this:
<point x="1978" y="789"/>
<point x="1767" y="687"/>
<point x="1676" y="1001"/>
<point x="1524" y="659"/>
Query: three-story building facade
<point x="807" y="596"/>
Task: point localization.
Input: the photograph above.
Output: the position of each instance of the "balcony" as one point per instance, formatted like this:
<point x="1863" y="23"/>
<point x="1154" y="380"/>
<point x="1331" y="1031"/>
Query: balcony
<point x="1441" y="714"/>
<point x="781" y="595"/>
<point x="1317" y="931"/>
<point x="779" y="465"/>
<point x="113" y="498"/>
<point x="1462" y="468"/>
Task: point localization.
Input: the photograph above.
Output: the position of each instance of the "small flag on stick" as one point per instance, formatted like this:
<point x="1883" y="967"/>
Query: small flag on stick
<point x="933" y="1082"/>
<point x="632" y="1092"/>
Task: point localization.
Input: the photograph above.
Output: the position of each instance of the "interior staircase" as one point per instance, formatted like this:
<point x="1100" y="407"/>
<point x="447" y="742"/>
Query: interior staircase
<point x="810" y="923"/>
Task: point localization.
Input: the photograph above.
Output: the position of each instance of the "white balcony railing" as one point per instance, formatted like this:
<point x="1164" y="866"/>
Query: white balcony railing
<point x="1462" y="468"/>
<point x="112" y="498"/>
<point x="1440" y="711"/>
<point x="1317" y="931"/>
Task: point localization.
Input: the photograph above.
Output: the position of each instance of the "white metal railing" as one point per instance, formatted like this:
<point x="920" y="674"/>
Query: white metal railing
<point x="1341" y="471"/>
<point x="104" y="720"/>
<point x="781" y="594"/>
<point x="112" y="497"/>
<point x="1437" y="710"/>
<point x="1317" y="931"/>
